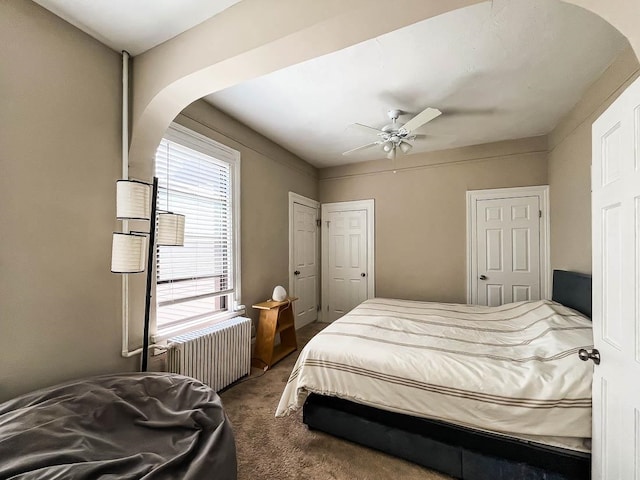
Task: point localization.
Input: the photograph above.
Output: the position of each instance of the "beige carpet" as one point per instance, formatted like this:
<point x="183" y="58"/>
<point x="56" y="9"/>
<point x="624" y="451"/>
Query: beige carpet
<point x="283" y="448"/>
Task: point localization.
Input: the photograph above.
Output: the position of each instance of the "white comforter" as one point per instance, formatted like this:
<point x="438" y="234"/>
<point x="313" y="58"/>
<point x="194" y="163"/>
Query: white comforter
<point x="512" y="369"/>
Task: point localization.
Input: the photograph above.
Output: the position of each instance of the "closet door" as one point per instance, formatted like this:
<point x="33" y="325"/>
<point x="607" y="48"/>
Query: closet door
<point x="347" y="257"/>
<point x="508" y="245"/>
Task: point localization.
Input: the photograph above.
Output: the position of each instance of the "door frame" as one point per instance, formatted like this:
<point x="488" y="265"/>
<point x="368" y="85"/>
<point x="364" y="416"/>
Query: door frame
<point x="540" y="191"/>
<point x="369" y="206"/>
<point x="307" y="202"/>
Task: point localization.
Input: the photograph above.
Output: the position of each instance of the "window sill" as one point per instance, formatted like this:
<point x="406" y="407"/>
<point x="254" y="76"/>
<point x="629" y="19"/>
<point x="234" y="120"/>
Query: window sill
<point x="165" y="334"/>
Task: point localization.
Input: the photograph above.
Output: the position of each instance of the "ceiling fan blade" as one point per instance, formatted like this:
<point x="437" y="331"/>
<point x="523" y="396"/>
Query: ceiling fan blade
<point x="366" y="128"/>
<point x="432" y="136"/>
<point x="348" y="152"/>
<point x="419" y="120"/>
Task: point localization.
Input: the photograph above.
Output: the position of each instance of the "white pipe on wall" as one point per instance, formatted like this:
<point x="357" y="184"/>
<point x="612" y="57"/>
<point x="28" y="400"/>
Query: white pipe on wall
<point x="125" y="223"/>
<point x="125" y="176"/>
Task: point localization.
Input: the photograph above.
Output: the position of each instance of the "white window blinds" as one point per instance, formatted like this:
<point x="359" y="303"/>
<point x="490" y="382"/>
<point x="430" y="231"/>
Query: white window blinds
<point x="196" y="280"/>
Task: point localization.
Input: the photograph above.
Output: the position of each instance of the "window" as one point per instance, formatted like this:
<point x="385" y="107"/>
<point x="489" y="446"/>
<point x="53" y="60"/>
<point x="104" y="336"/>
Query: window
<point x="198" y="283"/>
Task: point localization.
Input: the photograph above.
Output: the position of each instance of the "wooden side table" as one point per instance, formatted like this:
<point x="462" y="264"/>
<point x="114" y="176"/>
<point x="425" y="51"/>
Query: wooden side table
<point x="275" y="317"/>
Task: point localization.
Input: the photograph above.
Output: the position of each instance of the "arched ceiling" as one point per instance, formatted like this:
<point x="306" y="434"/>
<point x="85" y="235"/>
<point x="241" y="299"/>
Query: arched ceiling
<point x="498" y="70"/>
<point x="289" y="32"/>
<point x="254" y="38"/>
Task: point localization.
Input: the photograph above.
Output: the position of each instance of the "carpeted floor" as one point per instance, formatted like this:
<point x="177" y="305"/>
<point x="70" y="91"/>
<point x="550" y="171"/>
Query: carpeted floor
<point x="283" y="448"/>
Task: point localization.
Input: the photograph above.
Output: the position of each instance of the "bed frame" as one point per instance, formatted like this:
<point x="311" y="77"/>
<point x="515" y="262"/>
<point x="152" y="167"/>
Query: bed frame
<point x="458" y="451"/>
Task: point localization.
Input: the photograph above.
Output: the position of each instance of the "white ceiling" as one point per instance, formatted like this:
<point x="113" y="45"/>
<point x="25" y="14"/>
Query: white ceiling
<point x="498" y="70"/>
<point x="135" y="25"/>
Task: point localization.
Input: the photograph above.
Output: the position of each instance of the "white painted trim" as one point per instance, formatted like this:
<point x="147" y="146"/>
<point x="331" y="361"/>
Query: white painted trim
<point x="237" y="237"/>
<point x="369" y="206"/>
<point x="196" y="141"/>
<point x="542" y="192"/>
<point x="308" y="202"/>
<point x="196" y="325"/>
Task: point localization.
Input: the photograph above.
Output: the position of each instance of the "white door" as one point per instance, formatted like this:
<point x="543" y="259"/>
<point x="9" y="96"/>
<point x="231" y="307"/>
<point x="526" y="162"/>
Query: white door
<point x="616" y="289"/>
<point x="508" y="250"/>
<point x="347" y="258"/>
<point x="304" y="258"/>
<point x="507" y="259"/>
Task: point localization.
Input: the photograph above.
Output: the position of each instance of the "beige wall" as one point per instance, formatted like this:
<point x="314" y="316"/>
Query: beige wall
<point x="60" y="307"/>
<point x="570" y="167"/>
<point x="421" y="210"/>
<point x="268" y="173"/>
<point x="59" y="154"/>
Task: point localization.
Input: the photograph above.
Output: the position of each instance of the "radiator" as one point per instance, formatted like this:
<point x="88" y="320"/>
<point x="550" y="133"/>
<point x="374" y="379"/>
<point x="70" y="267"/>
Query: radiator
<point x="217" y="355"/>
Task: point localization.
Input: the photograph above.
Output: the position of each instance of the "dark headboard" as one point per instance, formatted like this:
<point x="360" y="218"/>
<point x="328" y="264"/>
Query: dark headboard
<point x="573" y="290"/>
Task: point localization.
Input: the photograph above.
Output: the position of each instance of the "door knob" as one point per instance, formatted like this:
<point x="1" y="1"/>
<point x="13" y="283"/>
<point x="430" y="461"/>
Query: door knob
<point x="363" y="274"/>
<point x="483" y="277"/>
<point x="586" y="355"/>
<point x="297" y="272"/>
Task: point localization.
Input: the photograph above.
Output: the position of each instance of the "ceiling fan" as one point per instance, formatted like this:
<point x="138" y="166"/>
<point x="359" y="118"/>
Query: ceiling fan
<point x="394" y="137"/>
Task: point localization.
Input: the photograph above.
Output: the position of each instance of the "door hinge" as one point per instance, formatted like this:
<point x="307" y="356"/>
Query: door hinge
<point x="539" y="213"/>
<point x="318" y="308"/>
<point x="328" y="222"/>
<point x="318" y="222"/>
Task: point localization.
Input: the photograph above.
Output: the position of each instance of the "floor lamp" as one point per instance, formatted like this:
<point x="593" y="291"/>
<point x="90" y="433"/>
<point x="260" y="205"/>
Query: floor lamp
<point x="136" y="200"/>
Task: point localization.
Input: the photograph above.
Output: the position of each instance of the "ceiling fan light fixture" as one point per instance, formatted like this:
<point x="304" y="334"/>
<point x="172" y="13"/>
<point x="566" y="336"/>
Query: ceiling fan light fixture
<point x="392" y="154"/>
<point x="394" y="137"/>
<point x="405" y="147"/>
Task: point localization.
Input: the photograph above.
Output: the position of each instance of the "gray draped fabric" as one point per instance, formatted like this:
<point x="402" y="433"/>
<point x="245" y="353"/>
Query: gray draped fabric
<point x="126" y="426"/>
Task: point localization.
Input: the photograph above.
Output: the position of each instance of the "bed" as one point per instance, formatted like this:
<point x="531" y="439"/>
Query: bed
<point x="475" y="392"/>
<point x="126" y="426"/>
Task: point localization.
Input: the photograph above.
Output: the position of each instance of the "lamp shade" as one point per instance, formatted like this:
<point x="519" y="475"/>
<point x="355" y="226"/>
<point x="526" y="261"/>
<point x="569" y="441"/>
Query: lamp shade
<point x="128" y="253"/>
<point x="392" y="154"/>
<point x="170" y="229"/>
<point x="279" y="294"/>
<point x="133" y="200"/>
<point x="405" y="147"/>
